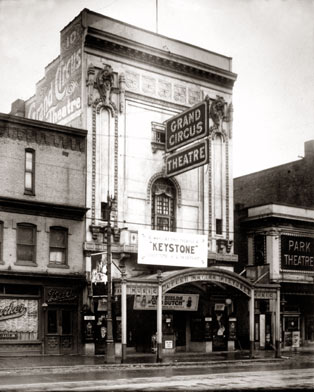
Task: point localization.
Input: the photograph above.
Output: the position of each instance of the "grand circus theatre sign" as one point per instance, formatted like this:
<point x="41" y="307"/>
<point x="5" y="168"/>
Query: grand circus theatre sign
<point x="172" y="249"/>
<point x="297" y="253"/>
<point x="58" y="94"/>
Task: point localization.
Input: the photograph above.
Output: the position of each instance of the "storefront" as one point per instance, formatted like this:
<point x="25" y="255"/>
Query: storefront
<point x="202" y="310"/>
<point x="40" y="316"/>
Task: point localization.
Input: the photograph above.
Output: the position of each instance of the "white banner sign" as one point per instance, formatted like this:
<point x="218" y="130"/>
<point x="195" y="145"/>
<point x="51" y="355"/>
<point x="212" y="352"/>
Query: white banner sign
<point x="171" y="301"/>
<point x="172" y="249"/>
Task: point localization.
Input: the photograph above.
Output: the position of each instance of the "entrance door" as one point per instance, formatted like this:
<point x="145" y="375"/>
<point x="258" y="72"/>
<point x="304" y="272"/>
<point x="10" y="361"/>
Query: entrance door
<point x="59" y="337"/>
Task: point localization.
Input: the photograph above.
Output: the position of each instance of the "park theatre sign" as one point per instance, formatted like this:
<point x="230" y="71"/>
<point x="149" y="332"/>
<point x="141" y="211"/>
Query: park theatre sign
<point x="297" y="253"/>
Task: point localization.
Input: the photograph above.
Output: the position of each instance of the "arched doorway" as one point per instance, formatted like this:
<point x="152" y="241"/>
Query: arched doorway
<point x="218" y="323"/>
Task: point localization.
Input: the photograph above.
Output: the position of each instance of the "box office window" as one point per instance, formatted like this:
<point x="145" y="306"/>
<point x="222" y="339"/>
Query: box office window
<point x="29" y="174"/>
<point x="26" y="244"/>
<point x="58" y="246"/>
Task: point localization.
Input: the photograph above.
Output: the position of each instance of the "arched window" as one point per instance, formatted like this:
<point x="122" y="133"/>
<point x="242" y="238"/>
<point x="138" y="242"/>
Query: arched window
<point x="163" y="205"/>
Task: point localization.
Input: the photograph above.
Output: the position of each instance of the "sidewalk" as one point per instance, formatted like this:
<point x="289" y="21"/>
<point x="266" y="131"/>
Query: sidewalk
<point x="76" y="363"/>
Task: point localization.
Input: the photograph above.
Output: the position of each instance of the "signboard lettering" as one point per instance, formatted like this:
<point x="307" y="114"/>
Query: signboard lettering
<point x="184" y="302"/>
<point x="12" y="310"/>
<point x="173" y="249"/>
<point x="297" y="253"/>
<point x="187" y="159"/>
<point x="186" y="127"/>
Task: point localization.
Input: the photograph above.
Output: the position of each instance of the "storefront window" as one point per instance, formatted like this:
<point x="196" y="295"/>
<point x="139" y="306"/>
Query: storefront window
<point x="18" y="319"/>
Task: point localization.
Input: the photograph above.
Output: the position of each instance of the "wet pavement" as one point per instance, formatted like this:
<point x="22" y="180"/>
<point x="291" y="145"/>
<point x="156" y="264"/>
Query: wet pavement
<point x="180" y="372"/>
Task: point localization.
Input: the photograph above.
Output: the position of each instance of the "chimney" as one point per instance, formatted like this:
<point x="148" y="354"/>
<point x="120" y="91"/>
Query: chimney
<point x="18" y="108"/>
<point x="309" y="149"/>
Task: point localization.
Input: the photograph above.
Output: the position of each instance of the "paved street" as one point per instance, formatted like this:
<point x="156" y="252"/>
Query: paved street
<point x="299" y="379"/>
<point x="295" y="371"/>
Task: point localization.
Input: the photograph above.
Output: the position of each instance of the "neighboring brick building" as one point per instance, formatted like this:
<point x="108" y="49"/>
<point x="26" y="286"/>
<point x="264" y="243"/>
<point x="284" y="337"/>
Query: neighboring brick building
<point x="42" y="208"/>
<point x="274" y="238"/>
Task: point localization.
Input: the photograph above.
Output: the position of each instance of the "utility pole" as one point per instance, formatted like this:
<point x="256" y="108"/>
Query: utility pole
<point x="110" y="354"/>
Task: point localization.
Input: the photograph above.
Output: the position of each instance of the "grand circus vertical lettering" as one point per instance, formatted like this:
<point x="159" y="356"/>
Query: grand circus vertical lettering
<point x="58" y="94"/>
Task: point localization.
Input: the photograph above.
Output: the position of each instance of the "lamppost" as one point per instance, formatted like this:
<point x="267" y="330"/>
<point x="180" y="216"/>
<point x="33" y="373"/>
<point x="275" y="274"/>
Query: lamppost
<point x="110" y="353"/>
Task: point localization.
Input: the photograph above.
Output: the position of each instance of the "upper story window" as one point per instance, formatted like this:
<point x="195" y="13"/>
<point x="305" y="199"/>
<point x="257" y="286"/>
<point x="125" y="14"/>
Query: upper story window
<point x="163" y="205"/>
<point x="158" y="136"/>
<point x="29" y="174"/>
<point x="58" y="246"/>
<point x="1" y="241"/>
<point x="26" y="244"/>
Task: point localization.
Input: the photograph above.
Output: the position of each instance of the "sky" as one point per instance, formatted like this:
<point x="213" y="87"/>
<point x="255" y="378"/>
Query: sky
<point x="271" y="43"/>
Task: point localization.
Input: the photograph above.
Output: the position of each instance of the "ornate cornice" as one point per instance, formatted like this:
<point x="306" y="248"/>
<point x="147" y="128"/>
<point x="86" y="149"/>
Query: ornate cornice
<point x="175" y="64"/>
<point x="32" y="131"/>
<point x="30" y="207"/>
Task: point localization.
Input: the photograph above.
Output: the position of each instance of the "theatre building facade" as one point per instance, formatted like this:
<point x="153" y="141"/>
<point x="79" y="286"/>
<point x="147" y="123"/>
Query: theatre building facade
<point x="274" y="215"/>
<point x="158" y="113"/>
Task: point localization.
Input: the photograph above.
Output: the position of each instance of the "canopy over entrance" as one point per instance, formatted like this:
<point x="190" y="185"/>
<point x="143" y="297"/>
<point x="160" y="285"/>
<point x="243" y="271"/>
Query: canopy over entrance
<point x="148" y="284"/>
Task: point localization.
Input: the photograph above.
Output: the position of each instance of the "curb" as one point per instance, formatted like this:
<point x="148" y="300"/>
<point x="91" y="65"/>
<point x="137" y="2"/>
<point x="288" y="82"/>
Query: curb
<point x="132" y="366"/>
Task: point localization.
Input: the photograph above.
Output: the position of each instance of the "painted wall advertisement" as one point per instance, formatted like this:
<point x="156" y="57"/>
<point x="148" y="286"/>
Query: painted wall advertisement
<point x="18" y="319"/>
<point x="58" y="94"/>
<point x="171" y="301"/>
<point x="172" y="249"/>
<point x="297" y="253"/>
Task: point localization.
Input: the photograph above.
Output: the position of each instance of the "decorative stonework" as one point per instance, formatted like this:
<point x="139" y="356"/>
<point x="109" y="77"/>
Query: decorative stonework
<point x="44" y="137"/>
<point x="148" y="85"/>
<point x="194" y="96"/>
<point x="132" y="81"/>
<point x="104" y="84"/>
<point x="217" y="112"/>
<point x="164" y="89"/>
<point x="179" y="94"/>
<point x="173" y="180"/>
<point x="122" y="93"/>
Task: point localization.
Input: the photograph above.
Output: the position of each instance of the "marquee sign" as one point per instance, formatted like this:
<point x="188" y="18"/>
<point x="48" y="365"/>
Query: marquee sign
<point x="188" y="158"/>
<point x="172" y="248"/>
<point x="297" y="253"/>
<point x="187" y="127"/>
<point x="206" y="277"/>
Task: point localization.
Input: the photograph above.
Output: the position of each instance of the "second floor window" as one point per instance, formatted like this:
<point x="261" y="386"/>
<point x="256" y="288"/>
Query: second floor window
<point x="29" y="175"/>
<point x="163" y="205"/>
<point x="58" y="246"/>
<point x="26" y="243"/>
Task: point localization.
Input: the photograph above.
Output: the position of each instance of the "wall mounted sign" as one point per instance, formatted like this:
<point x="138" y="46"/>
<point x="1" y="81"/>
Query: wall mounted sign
<point x="297" y="253"/>
<point x="171" y="301"/>
<point x="187" y="127"/>
<point x="172" y="249"/>
<point x="18" y="319"/>
<point x="61" y="295"/>
<point x="189" y="158"/>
